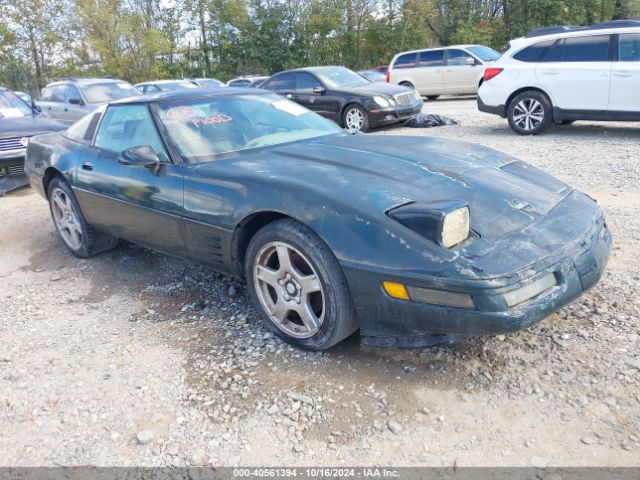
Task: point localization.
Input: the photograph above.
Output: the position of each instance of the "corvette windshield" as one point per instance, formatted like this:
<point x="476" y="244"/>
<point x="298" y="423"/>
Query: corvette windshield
<point x="205" y="127"/>
<point x="12" y="106"/>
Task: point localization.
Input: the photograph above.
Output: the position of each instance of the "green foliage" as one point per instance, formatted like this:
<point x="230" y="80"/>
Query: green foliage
<point x="146" y="39"/>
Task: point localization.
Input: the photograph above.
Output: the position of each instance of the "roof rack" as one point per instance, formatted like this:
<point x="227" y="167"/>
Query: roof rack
<point x="538" y="32"/>
<point x="616" y="24"/>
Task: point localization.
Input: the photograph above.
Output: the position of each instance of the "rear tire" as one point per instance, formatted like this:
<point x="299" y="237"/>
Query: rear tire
<point x="79" y="237"/>
<point x="433" y="97"/>
<point x="529" y="113"/>
<point x="298" y="286"/>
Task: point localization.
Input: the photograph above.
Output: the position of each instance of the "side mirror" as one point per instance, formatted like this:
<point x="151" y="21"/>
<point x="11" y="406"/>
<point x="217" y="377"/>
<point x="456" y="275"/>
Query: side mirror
<point x="142" y="155"/>
<point x="76" y="101"/>
<point x="319" y="90"/>
<point x="38" y="108"/>
<point x="470" y="61"/>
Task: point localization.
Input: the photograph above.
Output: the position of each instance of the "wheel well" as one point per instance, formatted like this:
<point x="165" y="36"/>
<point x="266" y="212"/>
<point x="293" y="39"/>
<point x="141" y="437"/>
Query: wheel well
<point x="245" y="231"/>
<point x="406" y="83"/>
<point x="522" y="90"/>
<point x="49" y="174"/>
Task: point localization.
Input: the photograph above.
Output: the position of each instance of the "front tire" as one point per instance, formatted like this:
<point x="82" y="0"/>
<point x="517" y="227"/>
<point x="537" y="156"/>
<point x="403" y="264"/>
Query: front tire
<point x="298" y="286"/>
<point x="355" y="118"/>
<point x="80" y="238"/>
<point x="529" y="113"/>
<point x="433" y="97"/>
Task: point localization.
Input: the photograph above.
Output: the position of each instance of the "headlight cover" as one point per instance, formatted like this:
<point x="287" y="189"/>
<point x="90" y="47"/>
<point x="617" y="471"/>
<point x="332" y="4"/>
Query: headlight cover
<point x="446" y="223"/>
<point x="383" y="102"/>
<point x="455" y="227"/>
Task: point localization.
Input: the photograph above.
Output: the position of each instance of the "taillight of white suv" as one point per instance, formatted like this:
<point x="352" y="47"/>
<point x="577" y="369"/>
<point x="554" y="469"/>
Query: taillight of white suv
<point x="492" y="72"/>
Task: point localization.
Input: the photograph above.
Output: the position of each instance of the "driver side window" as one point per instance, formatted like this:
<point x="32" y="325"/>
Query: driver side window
<point x="458" y="58"/>
<point x="306" y="82"/>
<point x="126" y="126"/>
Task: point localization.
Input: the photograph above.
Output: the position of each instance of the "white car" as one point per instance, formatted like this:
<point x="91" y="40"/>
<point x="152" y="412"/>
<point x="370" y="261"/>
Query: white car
<point x="563" y="74"/>
<point x="454" y="70"/>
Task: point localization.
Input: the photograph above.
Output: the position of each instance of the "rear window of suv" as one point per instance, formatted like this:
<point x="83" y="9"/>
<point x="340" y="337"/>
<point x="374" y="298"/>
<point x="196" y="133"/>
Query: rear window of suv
<point x="407" y="60"/>
<point x="586" y="49"/>
<point x="534" y="52"/>
<point x="629" y="48"/>
<point x="594" y="48"/>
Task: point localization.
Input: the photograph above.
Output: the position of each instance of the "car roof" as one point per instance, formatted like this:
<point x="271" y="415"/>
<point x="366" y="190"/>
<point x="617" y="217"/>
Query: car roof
<point x="153" y="82"/>
<point x="189" y="94"/>
<point x="86" y="81"/>
<point x="448" y="47"/>
<point x="310" y="69"/>
<point x="569" y="31"/>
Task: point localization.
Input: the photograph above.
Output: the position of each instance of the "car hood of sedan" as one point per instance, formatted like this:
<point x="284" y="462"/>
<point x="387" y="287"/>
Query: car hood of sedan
<point x="377" y="88"/>
<point x="28" y="125"/>
<point x="381" y="172"/>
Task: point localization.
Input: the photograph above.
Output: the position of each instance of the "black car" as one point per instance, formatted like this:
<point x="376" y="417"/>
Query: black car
<point x="19" y="121"/>
<point x="406" y="238"/>
<point x="345" y="97"/>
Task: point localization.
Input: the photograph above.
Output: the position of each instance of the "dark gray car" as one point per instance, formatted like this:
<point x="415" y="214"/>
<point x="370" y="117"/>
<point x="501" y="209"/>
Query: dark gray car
<point x="70" y="99"/>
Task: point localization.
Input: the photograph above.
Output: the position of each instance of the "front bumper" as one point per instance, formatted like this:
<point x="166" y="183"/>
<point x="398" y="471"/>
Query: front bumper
<point x="12" y="170"/>
<point x="399" y="113"/>
<point x="390" y="322"/>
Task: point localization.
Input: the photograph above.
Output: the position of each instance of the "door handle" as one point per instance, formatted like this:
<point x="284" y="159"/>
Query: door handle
<point x="623" y="73"/>
<point x="550" y="72"/>
<point x="88" y="166"/>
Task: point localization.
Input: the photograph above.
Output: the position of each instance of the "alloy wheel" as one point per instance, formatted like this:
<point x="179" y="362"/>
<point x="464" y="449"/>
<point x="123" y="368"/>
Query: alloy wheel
<point x="289" y="289"/>
<point x="528" y="114"/>
<point x="354" y="119"/>
<point x="66" y="219"/>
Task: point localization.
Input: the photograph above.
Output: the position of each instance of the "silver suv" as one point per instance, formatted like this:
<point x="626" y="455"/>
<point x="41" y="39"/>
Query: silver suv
<point x="70" y="99"/>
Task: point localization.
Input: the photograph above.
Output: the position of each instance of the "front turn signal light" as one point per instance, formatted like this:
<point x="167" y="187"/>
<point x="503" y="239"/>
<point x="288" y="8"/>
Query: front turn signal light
<point x="396" y="290"/>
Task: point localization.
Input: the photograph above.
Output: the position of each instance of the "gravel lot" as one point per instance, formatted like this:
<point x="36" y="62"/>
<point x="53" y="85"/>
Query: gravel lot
<point x="134" y="358"/>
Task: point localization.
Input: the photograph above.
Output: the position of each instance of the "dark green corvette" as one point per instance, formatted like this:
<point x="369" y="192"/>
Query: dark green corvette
<point x="411" y="240"/>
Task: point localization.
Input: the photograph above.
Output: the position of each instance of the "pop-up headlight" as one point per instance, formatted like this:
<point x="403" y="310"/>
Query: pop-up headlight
<point x="446" y="223"/>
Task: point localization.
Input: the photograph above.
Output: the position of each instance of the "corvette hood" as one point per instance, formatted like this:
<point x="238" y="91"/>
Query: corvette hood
<point x="503" y="194"/>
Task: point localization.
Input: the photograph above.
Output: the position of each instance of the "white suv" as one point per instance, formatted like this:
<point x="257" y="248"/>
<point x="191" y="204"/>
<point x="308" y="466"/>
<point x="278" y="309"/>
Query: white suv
<point x="454" y="70"/>
<point x="564" y="74"/>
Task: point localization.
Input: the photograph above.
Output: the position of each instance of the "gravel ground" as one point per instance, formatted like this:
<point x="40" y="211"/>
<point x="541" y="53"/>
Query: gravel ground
<point x="134" y="358"/>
